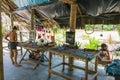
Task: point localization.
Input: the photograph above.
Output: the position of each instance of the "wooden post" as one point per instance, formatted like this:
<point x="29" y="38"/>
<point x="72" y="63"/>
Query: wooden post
<point x="63" y="65"/>
<point x="81" y="18"/>
<point x="1" y="49"/>
<point x="32" y="19"/>
<point x="50" y="64"/>
<point x="73" y="17"/>
<point x="86" y="69"/>
<point x="72" y="28"/>
<point x="21" y="41"/>
<point x="12" y="22"/>
<point x="96" y="66"/>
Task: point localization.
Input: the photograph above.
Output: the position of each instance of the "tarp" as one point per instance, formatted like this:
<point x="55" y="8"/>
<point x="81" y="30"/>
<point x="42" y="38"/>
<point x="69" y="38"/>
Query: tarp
<point x="98" y="7"/>
<point x="60" y="12"/>
<point x="50" y="10"/>
<point x="24" y="3"/>
<point x="54" y="9"/>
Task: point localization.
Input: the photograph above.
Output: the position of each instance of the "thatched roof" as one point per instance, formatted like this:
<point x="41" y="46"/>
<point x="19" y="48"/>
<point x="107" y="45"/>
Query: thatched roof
<point x="57" y="12"/>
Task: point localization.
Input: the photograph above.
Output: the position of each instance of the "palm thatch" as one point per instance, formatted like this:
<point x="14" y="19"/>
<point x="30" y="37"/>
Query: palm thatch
<point x="8" y="8"/>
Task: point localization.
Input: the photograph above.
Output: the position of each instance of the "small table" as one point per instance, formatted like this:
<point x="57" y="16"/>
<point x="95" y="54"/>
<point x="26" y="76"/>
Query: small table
<point x="87" y="55"/>
<point x="30" y="48"/>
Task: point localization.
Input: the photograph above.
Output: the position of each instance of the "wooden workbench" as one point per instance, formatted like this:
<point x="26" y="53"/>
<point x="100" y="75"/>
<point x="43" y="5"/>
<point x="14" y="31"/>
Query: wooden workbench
<point x="30" y="48"/>
<point x="86" y="55"/>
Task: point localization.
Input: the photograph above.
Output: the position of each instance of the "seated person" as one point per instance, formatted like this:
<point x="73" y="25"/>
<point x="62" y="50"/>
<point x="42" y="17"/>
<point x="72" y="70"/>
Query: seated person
<point x="104" y="57"/>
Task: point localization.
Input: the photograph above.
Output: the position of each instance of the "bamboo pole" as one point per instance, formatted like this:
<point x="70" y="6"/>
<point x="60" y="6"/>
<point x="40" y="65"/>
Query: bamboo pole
<point x="1" y="49"/>
<point x="72" y="28"/>
<point x="21" y="41"/>
<point x="12" y="22"/>
<point x="32" y="19"/>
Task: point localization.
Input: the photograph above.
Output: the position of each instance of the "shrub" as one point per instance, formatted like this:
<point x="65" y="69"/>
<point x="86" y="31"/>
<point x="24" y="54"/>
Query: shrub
<point x="93" y="43"/>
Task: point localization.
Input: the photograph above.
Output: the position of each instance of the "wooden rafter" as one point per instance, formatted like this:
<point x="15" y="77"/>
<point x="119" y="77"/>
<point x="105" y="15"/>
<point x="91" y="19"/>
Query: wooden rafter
<point x="8" y="7"/>
<point x="69" y="1"/>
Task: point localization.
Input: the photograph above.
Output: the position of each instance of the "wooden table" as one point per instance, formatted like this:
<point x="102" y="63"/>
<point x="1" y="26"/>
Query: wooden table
<point x="86" y="55"/>
<point x="30" y="48"/>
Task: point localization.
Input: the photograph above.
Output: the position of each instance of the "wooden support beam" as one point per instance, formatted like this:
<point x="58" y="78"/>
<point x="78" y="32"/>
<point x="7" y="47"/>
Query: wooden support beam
<point x="73" y="15"/>
<point x="3" y="3"/>
<point x="12" y="21"/>
<point x="69" y="1"/>
<point x="32" y="19"/>
<point x="82" y="18"/>
<point x="72" y="28"/>
<point x="1" y="49"/>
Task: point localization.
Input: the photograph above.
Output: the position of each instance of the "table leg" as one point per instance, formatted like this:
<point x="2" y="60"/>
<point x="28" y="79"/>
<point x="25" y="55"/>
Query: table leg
<point x="23" y="56"/>
<point x="50" y="64"/>
<point x="96" y="66"/>
<point x="63" y="65"/>
<point x="71" y="59"/>
<point x="21" y="50"/>
<point x="46" y="57"/>
<point x="86" y="69"/>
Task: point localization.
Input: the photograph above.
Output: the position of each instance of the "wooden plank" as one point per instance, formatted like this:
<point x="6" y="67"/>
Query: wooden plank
<point x="57" y="65"/>
<point x="61" y="75"/>
<point x="94" y="76"/>
<point x="1" y="49"/>
<point x="78" y="67"/>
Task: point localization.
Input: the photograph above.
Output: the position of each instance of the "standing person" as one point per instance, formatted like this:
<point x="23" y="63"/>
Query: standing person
<point x="12" y="45"/>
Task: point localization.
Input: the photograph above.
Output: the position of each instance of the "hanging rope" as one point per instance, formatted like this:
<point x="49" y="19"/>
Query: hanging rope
<point x="102" y="28"/>
<point x="90" y="31"/>
<point x="102" y="31"/>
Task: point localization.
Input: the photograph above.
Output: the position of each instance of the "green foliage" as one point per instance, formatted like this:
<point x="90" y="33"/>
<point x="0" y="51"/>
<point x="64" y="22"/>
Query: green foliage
<point x="107" y="27"/>
<point x="98" y="27"/>
<point x="89" y="27"/>
<point x="55" y="29"/>
<point x="93" y="43"/>
<point x="4" y="29"/>
<point x="60" y="34"/>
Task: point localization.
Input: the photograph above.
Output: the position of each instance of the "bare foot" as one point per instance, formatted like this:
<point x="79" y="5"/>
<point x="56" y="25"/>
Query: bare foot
<point x="13" y="63"/>
<point x="17" y="65"/>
